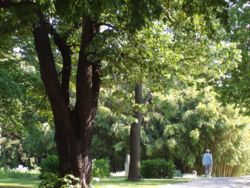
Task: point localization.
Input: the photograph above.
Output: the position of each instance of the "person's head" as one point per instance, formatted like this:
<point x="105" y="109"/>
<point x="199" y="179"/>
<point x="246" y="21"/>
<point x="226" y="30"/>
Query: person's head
<point x="207" y="150"/>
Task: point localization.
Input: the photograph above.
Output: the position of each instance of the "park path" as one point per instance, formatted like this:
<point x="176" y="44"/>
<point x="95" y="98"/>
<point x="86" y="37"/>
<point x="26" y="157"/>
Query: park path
<point x="214" y="182"/>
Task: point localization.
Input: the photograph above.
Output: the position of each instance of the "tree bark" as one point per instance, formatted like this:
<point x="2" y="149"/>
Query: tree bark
<point x="73" y="129"/>
<point x="134" y="167"/>
<point x="55" y="94"/>
<point x="85" y="108"/>
<point x="66" y="60"/>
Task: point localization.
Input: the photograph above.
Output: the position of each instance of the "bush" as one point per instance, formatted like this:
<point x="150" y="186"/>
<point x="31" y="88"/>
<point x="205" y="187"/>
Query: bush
<point x="49" y="165"/>
<point x="53" y="181"/>
<point x="177" y="173"/>
<point x="101" y="168"/>
<point x="157" y="168"/>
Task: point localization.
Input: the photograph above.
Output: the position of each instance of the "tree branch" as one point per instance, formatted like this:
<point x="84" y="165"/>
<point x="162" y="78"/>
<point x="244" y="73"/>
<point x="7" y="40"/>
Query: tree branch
<point x="47" y="66"/>
<point x="84" y="100"/>
<point x="148" y="98"/>
<point x="66" y="58"/>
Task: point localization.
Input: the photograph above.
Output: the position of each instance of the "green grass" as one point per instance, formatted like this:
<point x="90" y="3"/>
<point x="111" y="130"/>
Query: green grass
<point x="12" y="179"/>
<point x="115" y="182"/>
<point x="31" y="182"/>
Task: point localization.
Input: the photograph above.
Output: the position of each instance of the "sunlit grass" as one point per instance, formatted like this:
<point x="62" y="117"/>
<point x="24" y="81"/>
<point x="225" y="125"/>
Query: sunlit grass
<point x="30" y="182"/>
<point x="10" y="179"/>
<point x="15" y="179"/>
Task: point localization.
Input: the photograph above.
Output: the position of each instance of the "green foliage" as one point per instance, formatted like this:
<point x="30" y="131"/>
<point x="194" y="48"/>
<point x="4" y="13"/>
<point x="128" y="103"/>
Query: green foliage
<point x="234" y="87"/>
<point x="28" y="148"/>
<point x="110" y="138"/>
<point x="50" y="175"/>
<point x="157" y="168"/>
<point x="100" y="168"/>
<point x="10" y="150"/>
<point x="188" y="121"/>
<point x="49" y="165"/>
<point x="53" y="181"/>
<point x="25" y="134"/>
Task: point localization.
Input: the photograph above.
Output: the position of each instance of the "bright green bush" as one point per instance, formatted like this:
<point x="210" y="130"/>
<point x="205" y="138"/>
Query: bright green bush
<point x="101" y="168"/>
<point x="157" y="168"/>
<point x="50" y="165"/>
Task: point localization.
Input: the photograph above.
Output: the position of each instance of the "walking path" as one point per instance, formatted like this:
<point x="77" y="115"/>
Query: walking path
<point x="216" y="182"/>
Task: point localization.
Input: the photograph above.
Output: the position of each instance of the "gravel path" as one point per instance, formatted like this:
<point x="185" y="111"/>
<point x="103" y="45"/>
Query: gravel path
<point x="216" y="182"/>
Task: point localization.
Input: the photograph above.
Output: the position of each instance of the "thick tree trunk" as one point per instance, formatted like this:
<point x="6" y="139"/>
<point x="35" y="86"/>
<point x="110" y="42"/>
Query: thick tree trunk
<point x="87" y="85"/>
<point x="73" y="129"/>
<point x="134" y="167"/>
<point x="55" y="95"/>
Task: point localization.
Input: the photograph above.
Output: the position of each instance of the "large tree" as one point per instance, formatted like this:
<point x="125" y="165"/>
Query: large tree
<point x="69" y="28"/>
<point x="73" y="28"/>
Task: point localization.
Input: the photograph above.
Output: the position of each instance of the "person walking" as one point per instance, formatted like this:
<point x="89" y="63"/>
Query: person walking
<point x="207" y="162"/>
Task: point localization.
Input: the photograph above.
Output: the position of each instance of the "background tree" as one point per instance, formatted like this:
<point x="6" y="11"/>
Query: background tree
<point x="162" y="62"/>
<point x="234" y="86"/>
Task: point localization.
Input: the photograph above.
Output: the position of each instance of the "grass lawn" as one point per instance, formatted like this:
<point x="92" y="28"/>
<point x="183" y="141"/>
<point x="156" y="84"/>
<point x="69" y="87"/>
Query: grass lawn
<point x="20" y="182"/>
<point x="32" y="181"/>
<point x="116" y="182"/>
<point x="15" y="179"/>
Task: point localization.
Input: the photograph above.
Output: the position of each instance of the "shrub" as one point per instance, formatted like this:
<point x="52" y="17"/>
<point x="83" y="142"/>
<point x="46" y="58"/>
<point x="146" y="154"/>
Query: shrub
<point x="157" y="168"/>
<point x="53" y="181"/>
<point x="177" y="173"/>
<point x="101" y="168"/>
<point x="50" y="165"/>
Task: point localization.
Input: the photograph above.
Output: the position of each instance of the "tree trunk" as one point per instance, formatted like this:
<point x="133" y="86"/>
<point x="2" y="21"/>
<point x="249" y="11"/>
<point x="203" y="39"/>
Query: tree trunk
<point x="55" y="95"/>
<point x="134" y="167"/>
<point x="73" y="128"/>
<point x="87" y="92"/>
